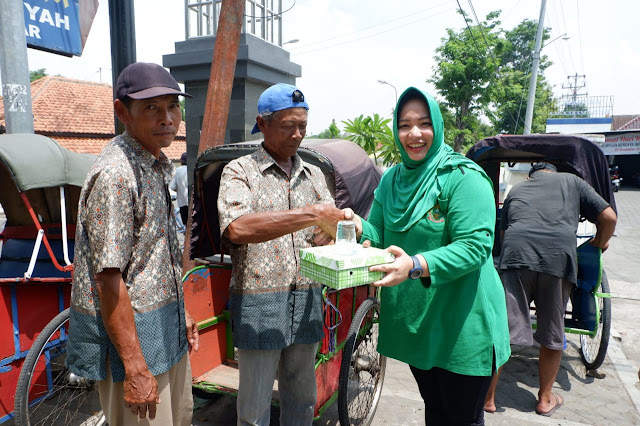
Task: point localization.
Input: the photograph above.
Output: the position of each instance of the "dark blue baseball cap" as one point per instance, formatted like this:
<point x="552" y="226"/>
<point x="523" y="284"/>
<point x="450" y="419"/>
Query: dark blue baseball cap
<point x="278" y="97"/>
<point x="143" y="80"/>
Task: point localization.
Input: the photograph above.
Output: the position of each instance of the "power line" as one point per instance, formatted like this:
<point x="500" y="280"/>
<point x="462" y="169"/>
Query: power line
<point x="488" y="50"/>
<point x="559" y="50"/>
<point x="367" y="28"/>
<point x="473" y="10"/>
<point x="468" y="28"/>
<point x="512" y="9"/>
<point x="366" y="36"/>
<point x="580" y="37"/>
<point x="565" y="29"/>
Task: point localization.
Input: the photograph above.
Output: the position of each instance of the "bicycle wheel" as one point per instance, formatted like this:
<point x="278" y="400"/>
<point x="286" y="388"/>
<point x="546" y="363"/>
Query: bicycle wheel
<point x="362" y="368"/>
<point x="47" y="392"/>
<point x="593" y="350"/>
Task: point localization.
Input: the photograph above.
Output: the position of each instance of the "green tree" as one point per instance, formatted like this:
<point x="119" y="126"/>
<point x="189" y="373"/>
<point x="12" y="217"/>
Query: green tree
<point x="182" y="108"/>
<point x="332" y="132"/>
<point x="449" y="124"/>
<point x="466" y="63"/>
<point x="575" y="110"/>
<point x="37" y="74"/>
<point x="373" y="134"/>
<point x="387" y="149"/>
<point x="509" y="95"/>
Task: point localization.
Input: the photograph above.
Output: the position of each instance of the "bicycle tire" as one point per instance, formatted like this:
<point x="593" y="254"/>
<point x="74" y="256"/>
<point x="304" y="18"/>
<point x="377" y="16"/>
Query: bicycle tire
<point x="358" y="399"/>
<point x="591" y="358"/>
<point x="64" y="399"/>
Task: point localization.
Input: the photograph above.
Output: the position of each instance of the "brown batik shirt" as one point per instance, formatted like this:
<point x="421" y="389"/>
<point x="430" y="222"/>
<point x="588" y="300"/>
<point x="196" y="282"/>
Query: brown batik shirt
<point x="272" y="305"/>
<point x="126" y="221"/>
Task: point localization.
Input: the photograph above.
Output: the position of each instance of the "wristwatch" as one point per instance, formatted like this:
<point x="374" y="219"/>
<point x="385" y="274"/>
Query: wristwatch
<point x="416" y="271"/>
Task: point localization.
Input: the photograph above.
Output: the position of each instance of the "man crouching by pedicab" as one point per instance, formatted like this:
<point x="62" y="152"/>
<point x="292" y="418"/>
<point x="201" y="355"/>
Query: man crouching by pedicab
<point x="269" y="203"/>
<point x="538" y="263"/>
<point x="129" y="328"/>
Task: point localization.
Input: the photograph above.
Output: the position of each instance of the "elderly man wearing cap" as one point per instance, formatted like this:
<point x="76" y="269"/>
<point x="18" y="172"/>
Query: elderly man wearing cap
<point x="538" y="263"/>
<point x="130" y="331"/>
<point x="269" y="204"/>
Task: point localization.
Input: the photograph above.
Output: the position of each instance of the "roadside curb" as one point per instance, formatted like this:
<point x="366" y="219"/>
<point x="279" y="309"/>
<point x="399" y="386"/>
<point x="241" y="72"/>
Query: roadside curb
<point x="627" y="373"/>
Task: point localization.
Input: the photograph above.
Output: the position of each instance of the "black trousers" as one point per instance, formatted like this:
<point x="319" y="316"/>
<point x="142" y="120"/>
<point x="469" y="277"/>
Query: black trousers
<point x="450" y="398"/>
<point x="184" y="214"/>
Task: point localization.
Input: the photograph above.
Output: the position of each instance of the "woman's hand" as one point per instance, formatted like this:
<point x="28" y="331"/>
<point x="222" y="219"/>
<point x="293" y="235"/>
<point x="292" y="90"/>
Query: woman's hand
<point x="356" y="220"/>
<point x="396" y="272"/>
<point x="321" y="238"/>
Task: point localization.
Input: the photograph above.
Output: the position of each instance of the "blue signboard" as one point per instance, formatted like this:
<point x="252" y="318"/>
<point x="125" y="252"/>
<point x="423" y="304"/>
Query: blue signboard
<point x="53" y="25"/>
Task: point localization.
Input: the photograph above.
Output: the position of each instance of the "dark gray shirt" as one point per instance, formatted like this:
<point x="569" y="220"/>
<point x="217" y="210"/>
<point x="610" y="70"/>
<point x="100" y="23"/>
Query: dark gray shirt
<point x="540" y="217"/>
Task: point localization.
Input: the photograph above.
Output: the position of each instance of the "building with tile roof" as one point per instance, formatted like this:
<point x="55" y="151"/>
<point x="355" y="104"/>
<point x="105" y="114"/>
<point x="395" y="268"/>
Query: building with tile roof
<point x="79" y="115"/>
<point x="625" y="122"/>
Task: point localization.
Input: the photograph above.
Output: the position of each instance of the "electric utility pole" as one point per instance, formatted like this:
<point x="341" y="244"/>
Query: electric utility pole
<point x="14" y="68"/>
<point x="534" y="71"/>
<point x="574" y="87"/>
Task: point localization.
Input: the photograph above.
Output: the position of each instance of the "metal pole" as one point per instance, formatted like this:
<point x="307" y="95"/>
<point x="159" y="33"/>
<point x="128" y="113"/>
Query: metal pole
<point x="528" y="118"/>
<point x="14" y="68"/>
<point x="216" y="110"/>
<point x="123" y="42"/>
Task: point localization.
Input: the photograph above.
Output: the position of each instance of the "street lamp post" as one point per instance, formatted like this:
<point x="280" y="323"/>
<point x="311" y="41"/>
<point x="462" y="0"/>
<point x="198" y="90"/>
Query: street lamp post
<point x="389" y="84"/>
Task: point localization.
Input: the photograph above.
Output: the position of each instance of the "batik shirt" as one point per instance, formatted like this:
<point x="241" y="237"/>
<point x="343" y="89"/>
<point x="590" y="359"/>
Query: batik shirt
<point x="125" y="221"/>
<point x="272" y="306"/>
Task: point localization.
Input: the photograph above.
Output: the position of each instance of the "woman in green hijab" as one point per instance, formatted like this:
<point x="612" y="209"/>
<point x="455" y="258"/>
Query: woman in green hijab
<point x="443" y="308"/>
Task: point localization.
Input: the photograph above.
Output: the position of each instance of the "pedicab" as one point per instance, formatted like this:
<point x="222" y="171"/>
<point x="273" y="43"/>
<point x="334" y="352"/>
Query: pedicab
<point x="590" y="311"/>
<point x="348" y="367"/>
<point x="40" y="185"/>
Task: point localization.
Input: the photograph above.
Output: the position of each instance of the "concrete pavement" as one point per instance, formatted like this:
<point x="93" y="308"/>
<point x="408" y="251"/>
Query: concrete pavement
<point x="613" y="399"/>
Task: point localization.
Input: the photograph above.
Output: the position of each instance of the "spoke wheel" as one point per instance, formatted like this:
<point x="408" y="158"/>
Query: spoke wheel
<point x="593" y="350"/>
<point x="362" y="368"/>
<point x="47" y="392"/>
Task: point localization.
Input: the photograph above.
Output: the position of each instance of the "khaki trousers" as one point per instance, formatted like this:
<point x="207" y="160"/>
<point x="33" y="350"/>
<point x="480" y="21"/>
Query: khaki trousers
<point x="176" y="401"/>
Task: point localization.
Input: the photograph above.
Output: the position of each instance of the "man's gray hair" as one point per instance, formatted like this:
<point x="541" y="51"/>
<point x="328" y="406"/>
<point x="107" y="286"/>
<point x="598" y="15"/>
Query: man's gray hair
<point x="268" y="116"/>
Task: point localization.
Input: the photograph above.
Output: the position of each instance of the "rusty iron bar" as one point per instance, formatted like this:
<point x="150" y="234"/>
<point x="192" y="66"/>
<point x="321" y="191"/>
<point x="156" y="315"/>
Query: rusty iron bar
<point x="216" y="109"/>
<point x="223" y="68"/>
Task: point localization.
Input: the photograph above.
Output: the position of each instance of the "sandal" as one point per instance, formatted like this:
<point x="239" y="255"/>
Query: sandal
<point x="559" y="402"/>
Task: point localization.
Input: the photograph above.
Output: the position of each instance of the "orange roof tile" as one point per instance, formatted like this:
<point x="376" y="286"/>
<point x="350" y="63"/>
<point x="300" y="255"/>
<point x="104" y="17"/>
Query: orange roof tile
<point x="95" y="146"/>
<point x="79" y="115"/>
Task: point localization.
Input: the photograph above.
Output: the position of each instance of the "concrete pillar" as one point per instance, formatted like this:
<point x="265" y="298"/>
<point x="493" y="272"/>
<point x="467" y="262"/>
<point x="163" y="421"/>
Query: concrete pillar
<point x="260" y="65"/>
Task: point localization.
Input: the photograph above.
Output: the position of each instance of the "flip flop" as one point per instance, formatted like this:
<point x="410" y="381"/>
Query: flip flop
<point x="559" y="402"/>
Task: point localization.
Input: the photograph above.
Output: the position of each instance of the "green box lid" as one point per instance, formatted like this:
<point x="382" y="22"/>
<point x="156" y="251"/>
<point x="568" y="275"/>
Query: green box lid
<point x="329" y="257"/>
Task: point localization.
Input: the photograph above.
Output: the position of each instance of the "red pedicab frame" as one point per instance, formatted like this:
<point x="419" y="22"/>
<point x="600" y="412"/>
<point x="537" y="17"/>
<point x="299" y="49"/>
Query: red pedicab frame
<point x="40" y="184"/>
<point x="348" y="366"/>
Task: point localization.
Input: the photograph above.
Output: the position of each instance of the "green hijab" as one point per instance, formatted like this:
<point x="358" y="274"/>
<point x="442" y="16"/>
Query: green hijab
<point x="410" y="189"/>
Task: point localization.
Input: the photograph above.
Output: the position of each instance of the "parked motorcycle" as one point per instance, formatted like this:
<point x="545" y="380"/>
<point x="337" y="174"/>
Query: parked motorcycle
<point x="614" y="172"/>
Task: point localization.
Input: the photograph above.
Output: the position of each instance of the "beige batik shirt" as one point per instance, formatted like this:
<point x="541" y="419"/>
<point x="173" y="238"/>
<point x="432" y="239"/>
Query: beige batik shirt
<point x="272" y="305"/>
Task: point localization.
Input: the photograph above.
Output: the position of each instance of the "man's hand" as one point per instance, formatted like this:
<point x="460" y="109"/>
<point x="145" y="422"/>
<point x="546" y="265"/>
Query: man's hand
<point x="329" y="216"/>
<point x="141" y="394"/>
<point x="605" y="227"/>
<point x="140" y="387"/>
<point x="193" y="336"/>
<point x="322" y="237"/>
